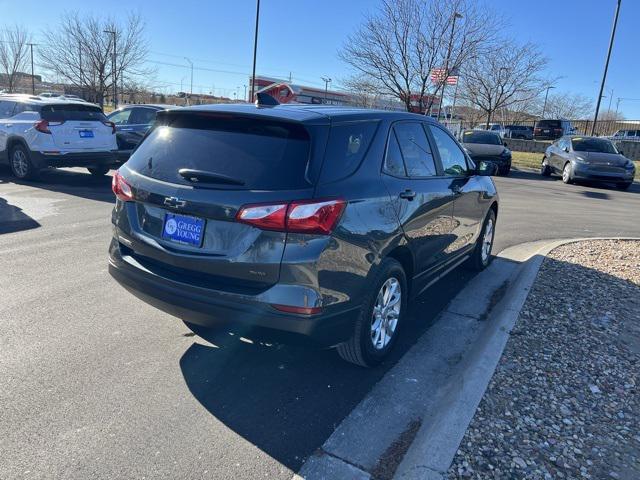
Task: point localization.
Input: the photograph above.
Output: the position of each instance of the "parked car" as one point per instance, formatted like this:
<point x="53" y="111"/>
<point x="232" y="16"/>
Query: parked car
<point x="588" y="158"/>
<point x="483" y="145"/>
<point x="519" y="131"/>
<point x="552" y="129"/>
<point x="309" y="220"/>
<point x="132" y="123"/>
<point x="37" y="133"/>
<point x="493" y="127"/>
<point x="627" y="135"/>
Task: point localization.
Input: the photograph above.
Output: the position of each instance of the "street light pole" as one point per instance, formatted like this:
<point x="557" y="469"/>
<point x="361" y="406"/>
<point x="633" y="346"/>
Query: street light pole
<point x="255" y="51"/>
<point x="456" y="15"/>
<point x="606" y="67"/>
<point x="191" y="88"/>
<point x="546" y="95"/>
<point x="326" y="81"/>
<point x="33" y="80"/>
<point x="113" y="69"/>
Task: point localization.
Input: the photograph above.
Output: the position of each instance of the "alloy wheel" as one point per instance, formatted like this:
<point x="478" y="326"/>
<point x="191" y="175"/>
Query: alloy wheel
<point x="20" y="163"/>
<point x="566" y="173"/>
<point x="386" y="313"/>
<point x="487" y="241"/>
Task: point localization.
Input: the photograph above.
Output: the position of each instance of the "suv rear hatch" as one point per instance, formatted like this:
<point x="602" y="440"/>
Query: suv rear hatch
<point x="189" y="179"/>
<point x="78" y="127"/>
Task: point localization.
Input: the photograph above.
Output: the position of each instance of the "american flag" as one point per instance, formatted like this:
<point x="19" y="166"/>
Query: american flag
<point x="438" y="76"/>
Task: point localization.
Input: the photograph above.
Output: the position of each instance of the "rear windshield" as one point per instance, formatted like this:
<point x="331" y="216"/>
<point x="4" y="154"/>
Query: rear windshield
<point x="259" y="154"/>
<point x="70" y="112"/>
<point x="549" y="124"/>
<point x="599" y="145"/>
<point x="479" y="136"/>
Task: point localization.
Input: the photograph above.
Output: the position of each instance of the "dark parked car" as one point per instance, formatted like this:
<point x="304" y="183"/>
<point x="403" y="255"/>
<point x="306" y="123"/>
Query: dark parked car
<point x="588" y="158"/>
<point x="487" y="146"/>
<point x="519" y="131"/>
<point x="316" y="221"/>
<point x="132" y="123"/>
<point x="552" y="129"/>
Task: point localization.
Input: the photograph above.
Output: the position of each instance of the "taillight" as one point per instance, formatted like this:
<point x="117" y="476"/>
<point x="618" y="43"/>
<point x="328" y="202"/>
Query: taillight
<point x="121" y="188"/>
<point x="298" y="310"/>
<point x="308" y="216"/>
<point x="112" y="125"/>
<point x="42" y="126"/>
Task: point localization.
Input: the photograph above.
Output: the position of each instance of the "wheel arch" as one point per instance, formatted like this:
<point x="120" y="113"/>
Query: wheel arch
<point x="403" y="255"/>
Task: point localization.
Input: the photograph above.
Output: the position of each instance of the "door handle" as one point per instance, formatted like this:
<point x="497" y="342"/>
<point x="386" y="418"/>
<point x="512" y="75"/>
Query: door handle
<point x="408" y="195"/>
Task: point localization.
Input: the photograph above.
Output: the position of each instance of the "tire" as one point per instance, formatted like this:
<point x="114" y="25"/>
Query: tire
<point x="21" y="164"/>
<point x="98" y="171"/>
<point x="545" y="169"/>
<point x="623" y="186"/>
<point x="481" y="256"/>
<point x="360" y="348"/>
<point x="567" y="174"/>
<point x="504" y="171"/>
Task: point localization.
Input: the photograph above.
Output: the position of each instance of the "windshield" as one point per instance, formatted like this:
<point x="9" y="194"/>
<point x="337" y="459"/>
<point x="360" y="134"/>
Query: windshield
<point x="599" y="145"/>
<point x="479" y="136"/>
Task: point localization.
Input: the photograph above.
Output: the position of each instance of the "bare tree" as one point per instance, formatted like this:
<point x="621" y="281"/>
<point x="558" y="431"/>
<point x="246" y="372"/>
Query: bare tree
<point x="609" y="115"/>
<point x="567" y="105"/>
<point x="397" y="47"/>
<point x="14" y="49"/>
<point x="81" y="52"/>
<point x="503" y="78"/>
<point x="364" y="92"/>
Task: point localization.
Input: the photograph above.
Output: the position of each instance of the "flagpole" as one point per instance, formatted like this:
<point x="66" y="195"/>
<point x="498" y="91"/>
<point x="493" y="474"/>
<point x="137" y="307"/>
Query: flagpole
<point x="455" y="94"/>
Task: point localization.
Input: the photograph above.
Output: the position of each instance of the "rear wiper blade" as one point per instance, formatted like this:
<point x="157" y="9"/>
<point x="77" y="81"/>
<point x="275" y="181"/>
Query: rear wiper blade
<point x="202" y="176"/>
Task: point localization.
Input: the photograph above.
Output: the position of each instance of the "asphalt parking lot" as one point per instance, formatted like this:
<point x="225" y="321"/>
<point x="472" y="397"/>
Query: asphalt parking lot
<point x="96" y="384"/>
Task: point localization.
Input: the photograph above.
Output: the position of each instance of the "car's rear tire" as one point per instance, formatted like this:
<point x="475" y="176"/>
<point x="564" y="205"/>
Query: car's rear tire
<point x="504" y="171"/>
<point x="545" y="169"/>
<point x="380" y="319"/>
<point x="98" y="171"/>
<point x="567" y="173"/>
<point x="21" y="164"/>
<point x="623" y="186"/>
<point x="481" y="256"/>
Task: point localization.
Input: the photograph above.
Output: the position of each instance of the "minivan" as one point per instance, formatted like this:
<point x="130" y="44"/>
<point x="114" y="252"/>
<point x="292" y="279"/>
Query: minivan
<point x="298" y="221"/>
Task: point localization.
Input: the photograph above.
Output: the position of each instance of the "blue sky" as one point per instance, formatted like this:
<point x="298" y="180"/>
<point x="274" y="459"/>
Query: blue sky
<point x="302" y="37"/>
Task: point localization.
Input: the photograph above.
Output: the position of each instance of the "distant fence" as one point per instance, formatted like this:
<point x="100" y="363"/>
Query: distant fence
<point x="583" y="127"/>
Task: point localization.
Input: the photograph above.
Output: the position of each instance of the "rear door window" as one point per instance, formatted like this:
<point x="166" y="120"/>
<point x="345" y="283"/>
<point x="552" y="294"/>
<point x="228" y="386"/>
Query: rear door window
<point x="72" y="112"/>
<point x="142" y="116"/>
<point x="347" y="145"/>
<point x="393" y="163"/>
<point x="121" y="117"/>
<point x="260" y="153"/>
<point x="6" y="108"/>
<point x="418" y="158"/>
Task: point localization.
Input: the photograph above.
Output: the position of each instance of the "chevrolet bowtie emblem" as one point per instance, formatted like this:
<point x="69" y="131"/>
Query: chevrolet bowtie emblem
<point x="174" y="202"/>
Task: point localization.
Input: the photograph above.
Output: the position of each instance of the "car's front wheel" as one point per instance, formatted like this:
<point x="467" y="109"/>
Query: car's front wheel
<point x="21" y="165"/>
<point x="376" y="329"/>
<point x="567" y="173"/>
<point x="98" y="171"/>
<point x="481" y="256"/>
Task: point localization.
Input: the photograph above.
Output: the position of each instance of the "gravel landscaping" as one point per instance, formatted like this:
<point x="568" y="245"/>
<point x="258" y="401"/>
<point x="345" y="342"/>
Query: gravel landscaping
<point x="564" y="400"/>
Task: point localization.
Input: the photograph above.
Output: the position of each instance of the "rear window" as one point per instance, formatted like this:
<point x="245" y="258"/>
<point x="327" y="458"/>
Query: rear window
<point x="479" y="136"/>
<point x="262" y="154"/>
<point x="71" y="112"/>
<point x="347" y="145"/>
<point x="548" y="124"/>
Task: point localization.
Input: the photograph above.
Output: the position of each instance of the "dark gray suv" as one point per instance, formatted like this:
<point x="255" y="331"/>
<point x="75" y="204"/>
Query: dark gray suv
<point x="300" y="221"/>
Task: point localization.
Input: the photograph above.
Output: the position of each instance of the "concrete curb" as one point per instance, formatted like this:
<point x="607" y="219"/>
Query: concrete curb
<point x="443" y="428"/>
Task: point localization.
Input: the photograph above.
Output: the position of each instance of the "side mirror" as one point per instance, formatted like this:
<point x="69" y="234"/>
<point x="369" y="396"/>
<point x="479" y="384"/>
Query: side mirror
<point x="621" y="152"/>
<point x="486" y="169"/>
<point x="566" y="149"/>
<point x="504" y="144"/>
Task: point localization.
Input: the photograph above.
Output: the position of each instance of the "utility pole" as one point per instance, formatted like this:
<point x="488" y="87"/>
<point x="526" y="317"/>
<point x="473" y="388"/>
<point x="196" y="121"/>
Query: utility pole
<point x="326" y="81"/>
<point x="610" y="98"/>
<point x="33" y="80"/>
<point x="456" y="15"/>
<point x="113" y="69"/>
<point x="546" y="95"/>
<point x="191" y="88"/>
<point x="606" y="67"/>
<point x="255" y="51"/>
<point x="245" y="92"/>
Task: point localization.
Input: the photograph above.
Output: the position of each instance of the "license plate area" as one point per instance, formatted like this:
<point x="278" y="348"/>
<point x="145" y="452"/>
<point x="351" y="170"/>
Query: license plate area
<point x="183" y="229"/>
<point x="85" y="133"/>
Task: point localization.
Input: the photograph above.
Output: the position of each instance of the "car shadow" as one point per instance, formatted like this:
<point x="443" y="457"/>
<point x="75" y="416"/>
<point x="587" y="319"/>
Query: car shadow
<point x="68" y="181"/>
<point x="534" y="175"/>
<point x="13" y="219"/>
<point x="287" y="400"/>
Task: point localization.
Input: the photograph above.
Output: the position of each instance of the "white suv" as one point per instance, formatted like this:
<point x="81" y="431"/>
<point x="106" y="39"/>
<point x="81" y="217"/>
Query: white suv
<point x="37" y="133"/>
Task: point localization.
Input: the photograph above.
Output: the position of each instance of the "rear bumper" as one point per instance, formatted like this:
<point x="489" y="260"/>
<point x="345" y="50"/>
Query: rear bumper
<point x="75" y="159"/>
<point x="248" y="314"/>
